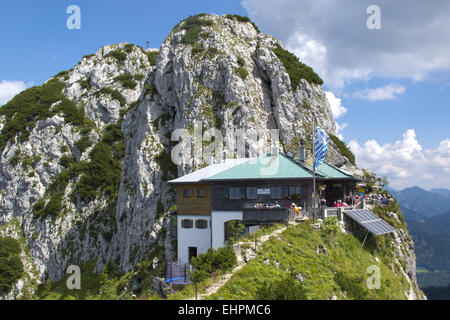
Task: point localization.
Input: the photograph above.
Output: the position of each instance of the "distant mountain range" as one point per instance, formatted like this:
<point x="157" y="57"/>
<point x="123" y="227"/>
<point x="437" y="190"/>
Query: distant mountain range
<point x="419" y="204"/>
<point x="441" y="191"/>
<point x="427" y="214"/>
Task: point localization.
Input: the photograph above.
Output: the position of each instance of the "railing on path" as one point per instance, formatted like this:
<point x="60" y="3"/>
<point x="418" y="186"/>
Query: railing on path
<point x="326" y="212"/>
<point x="178" y="273"/>
<point x="160" y="287"/>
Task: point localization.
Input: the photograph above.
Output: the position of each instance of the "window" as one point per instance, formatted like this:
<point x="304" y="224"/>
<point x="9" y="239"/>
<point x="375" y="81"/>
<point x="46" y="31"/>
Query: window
<point x="201" y="224"/>
<point x="201" y="193"/>
<point x="251" y="192"/>
<point x="275" y="192"/>
<point x="294" y="190"/>
<point x="186" y="193"/>
<point x="186" y="223"/>
<point x="284" y="191"/>
<point x="235" y="193"/>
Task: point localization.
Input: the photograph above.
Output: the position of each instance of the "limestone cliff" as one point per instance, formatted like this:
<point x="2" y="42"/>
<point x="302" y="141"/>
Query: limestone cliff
<point x="84" y="158"/>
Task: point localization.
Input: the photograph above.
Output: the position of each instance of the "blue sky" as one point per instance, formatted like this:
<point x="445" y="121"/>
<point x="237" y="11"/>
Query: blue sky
<point x="425" y="106"/>
<point x="38" y="44"/>
<point x="390" y="87"/>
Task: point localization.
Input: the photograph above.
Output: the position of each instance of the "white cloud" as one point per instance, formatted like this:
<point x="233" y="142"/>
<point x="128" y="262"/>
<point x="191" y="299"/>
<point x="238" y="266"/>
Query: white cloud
<point x="336" y="105"/>
<point x="339" y="128"/>
<point x="405" y="162"/>
<point x="8" y="89"/>
<point x="389" y="92"/>
<point x="333" y="38"/>
<point x="338" y="110"/>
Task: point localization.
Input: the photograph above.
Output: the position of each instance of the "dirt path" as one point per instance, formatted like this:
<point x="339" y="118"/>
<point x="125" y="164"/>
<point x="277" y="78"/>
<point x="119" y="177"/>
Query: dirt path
<point x="243" y="256"/>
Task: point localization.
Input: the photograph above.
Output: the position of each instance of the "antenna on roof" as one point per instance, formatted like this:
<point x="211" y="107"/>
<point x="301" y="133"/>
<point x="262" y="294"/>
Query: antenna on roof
<point x="301" y="152"/>
<point x="274" y="151"/>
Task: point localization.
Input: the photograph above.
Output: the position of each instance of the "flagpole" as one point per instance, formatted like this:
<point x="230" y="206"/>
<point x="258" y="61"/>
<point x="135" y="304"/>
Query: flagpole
<point x="314" y="171"/>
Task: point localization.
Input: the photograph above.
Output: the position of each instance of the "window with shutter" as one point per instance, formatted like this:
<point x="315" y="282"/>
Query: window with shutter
<point x="201" y="224"/>
<point x="186" y="223"/>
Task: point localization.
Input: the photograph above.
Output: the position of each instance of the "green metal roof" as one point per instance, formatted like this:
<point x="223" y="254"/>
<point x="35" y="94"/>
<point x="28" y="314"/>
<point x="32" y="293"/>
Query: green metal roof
<point x="328" y="171"/>
<point x="264" y="167"/>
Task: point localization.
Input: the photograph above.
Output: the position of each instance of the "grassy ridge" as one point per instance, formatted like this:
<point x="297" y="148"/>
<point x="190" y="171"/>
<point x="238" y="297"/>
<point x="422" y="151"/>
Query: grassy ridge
<point x="193" y="27"/>
<point x="296" y="69"/>
<point x="343" y="148"/>
<point x="242" y="19"/>
<point x="340" y="268"/>
<point x="33" y="104"/>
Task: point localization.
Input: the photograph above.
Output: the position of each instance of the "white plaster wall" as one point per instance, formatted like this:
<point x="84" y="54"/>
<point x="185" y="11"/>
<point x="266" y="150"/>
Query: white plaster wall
<point x="193" y="237"/>
<point x="218" y="225"/>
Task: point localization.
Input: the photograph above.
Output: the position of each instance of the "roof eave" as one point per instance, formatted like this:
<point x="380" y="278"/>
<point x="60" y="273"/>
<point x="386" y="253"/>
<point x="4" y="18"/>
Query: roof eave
<point x="254" y="179"/>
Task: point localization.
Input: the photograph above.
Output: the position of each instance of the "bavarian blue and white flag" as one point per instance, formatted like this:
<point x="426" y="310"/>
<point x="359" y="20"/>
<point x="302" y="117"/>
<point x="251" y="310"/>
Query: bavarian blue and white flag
<point x="321" y="144"/>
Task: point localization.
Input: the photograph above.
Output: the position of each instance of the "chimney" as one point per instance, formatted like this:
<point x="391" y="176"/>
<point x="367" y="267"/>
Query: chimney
<point x="301" y="152"/>
<point x="274" y="151"/>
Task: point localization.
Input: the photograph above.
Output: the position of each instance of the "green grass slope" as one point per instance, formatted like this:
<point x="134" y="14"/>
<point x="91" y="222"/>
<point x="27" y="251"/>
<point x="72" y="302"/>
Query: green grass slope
<point x="331" y="262"/>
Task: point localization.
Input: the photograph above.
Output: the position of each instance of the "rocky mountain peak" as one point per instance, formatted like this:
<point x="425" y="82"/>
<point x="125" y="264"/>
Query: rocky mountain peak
<point x="85" y="158"/>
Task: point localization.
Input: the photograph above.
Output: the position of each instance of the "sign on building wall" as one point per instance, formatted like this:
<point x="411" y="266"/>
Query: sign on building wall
<point x="263" y="191"/>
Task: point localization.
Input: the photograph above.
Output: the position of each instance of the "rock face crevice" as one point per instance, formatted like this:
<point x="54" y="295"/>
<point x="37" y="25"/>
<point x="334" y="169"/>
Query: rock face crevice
<point x="230" y="78"/>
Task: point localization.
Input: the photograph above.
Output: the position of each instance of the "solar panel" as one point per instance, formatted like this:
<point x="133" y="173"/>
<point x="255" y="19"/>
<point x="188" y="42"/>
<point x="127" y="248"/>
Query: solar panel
<point x="371" y="222"/>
